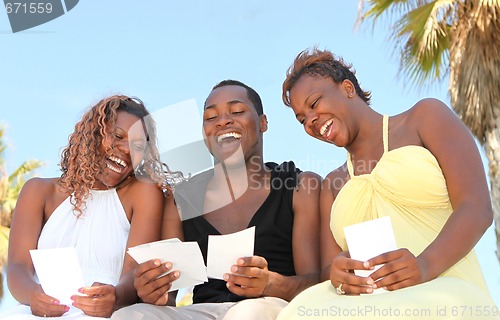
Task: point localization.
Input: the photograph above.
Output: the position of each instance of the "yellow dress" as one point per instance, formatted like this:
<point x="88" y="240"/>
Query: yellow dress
<point x="408" y="185"/>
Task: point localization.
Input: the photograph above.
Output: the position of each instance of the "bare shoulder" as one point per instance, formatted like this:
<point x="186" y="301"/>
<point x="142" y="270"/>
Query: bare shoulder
<point x="140" y="190"/>
<point x="308" y="185"/>
<point x="336" y="179"/>
<point x="142" y="183"/>
<point x="41" y="186"/>
<point x="430" y="110"/>
<point x="308" y="176"/>
<point x="433" y="119"/>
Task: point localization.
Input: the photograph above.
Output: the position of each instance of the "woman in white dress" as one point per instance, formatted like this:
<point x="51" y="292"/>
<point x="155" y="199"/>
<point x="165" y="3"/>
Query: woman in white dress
<point x="106" y="200"/>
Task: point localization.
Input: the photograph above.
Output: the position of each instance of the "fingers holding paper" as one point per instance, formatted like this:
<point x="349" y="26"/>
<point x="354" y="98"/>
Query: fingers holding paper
<point x="150" y="285"/>
<point x="341" y="275"/>
<point x="249" y="277"/>
<point x="400" y="269"/>
<point x="97" y="300"/>
<point x="42" y="304"/>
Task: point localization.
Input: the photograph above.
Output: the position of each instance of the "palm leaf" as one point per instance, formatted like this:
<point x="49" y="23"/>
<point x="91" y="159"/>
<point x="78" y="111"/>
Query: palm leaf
<point x="421" y="35"/>
<point x="424" y="35"/>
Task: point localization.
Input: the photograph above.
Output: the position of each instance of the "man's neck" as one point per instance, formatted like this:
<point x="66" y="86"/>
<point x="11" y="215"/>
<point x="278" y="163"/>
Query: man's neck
<point x="239" y="178"/>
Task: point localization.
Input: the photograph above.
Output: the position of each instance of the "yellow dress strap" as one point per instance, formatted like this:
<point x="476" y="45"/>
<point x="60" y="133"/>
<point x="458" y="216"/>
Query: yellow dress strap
<point x="385" y="139"/>
<point x="350" y="169"/>
<point x="385" y="128"/>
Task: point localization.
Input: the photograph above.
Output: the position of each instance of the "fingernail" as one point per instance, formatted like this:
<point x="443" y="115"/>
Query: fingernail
<point x="168" y="265"/>
<point x="74" y="304"/>
<point x="72" y="298"/>
<point x="80" y="290"/>
<point x="366" y="264"/>
<point x="369" y="290"/>
<point x="226" y="276"/>
<point x="370" y="281"/>
<point x="374" y="286"/>
<point x="240" y="261"/>
<point x="176" y="274"/>
<point x="227" y="285"/>
<point x="234" y="268"/>
<point x="66" y="309"/>
<point x="57" y="302"/>
<point x="157" y="263"/>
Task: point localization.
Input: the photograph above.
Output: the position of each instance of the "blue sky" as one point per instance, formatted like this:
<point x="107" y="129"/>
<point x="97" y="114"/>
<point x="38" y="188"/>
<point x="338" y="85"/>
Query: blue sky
<point x="165" y="52"/>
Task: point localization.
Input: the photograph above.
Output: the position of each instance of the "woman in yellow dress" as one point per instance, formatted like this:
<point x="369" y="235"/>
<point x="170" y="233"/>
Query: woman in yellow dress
<point x="423" y="170"/>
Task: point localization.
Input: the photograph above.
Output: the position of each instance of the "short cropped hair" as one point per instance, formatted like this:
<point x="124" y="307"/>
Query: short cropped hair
<point x="252" y="95"/>
<point x="317" y="62"/>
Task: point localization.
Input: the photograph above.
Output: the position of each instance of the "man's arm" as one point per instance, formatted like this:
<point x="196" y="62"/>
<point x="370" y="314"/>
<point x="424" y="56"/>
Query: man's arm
<point x="259" y="281"/>
<point x="305" y="242"/>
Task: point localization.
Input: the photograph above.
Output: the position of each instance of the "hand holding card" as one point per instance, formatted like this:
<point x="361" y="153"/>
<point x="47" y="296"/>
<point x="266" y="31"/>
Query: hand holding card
<point x="368" y="239"/>
<point x="59" y="272"/>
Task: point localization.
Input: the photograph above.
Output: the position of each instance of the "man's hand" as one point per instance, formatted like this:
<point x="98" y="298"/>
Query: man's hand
<point x="249" y="277"/>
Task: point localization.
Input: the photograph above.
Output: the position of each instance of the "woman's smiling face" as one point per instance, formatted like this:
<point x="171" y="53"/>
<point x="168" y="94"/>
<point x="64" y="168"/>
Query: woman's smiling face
<point x="321" y="106"/>
<point x="122" y="150"/>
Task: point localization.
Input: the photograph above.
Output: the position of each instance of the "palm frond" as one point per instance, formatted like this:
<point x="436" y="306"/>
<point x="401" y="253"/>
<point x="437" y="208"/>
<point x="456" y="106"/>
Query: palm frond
<point x="424" y="36"/>
<point x="25" y="168"/>
<point x="421" y="35"/>
<point x="375" y="9"/>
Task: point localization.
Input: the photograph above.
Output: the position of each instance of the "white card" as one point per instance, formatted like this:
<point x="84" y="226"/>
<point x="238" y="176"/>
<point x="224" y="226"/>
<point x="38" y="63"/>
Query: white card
<point x="368" y="239"/>
<point x="225" y="250"/>
<point x="185" y="257"/>
<point x="59" y="272"/>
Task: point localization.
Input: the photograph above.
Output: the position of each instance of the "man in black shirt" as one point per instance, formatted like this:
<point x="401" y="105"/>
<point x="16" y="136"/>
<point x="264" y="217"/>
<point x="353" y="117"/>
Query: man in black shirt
<point x="239" y="192"/>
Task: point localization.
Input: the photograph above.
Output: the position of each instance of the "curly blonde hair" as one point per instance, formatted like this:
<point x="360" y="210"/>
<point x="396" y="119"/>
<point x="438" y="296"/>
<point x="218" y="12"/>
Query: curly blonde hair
<point x="80" y="160"/>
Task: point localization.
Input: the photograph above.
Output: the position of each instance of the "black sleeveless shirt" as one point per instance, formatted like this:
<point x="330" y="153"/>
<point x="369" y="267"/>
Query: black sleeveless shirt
<point x="273" y="223"/>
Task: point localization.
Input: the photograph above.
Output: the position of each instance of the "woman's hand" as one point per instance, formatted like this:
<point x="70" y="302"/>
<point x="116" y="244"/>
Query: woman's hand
<point x="400" y="269"/>
<point x="344" y="280"/>
<point x="97" y="301"/>
<point x="43" y="305"/>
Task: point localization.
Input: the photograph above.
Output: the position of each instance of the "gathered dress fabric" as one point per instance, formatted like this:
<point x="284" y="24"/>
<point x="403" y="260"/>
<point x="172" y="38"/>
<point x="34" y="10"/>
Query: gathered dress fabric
<point x="99" y="236"/>
<point x="408" y="185"/>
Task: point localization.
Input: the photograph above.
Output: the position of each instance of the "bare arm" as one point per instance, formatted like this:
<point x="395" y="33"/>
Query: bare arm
<point x="447" y="138"/>
<point x="251" y="276"/>
<point x="329" y="248"/>
<point x="306" y="239"/>
<point x="27" y="223"/>
<point x="454" y="148"/>
<point x="145" y="227"/>
<point x="150" y="288"/>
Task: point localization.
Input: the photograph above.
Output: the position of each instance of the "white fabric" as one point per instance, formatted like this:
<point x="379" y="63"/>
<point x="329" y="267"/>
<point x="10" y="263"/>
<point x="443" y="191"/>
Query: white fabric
<point x="99" y="237"/>
<point x="264" y="308"/>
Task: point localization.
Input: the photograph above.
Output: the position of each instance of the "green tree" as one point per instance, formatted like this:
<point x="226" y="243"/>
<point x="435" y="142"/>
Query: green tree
<point x="10" y="187"/>
<point x="459" y="39"/>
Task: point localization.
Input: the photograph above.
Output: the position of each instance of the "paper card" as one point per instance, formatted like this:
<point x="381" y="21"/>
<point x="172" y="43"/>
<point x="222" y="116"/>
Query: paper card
<point x="185" y="257"/>
<point x="368" y="239"/>
<point x="225" y="250"/>
<point x="59" y="272"/>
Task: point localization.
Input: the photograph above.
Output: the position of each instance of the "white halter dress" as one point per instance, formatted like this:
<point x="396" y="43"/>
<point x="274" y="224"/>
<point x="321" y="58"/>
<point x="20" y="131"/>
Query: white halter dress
<point x="99" y="237"/>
